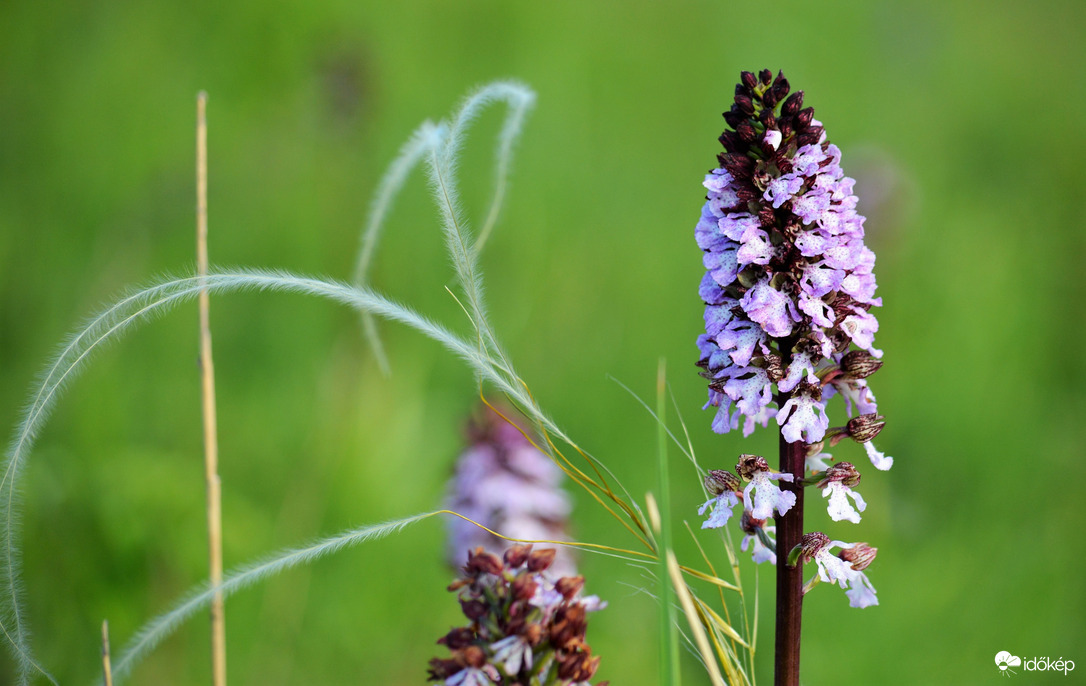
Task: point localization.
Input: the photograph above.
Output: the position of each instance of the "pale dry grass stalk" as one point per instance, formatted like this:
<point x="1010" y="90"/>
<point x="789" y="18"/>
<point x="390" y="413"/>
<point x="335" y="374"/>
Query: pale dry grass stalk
<point x="107" y="669"/>
<point x="207" y="388"/>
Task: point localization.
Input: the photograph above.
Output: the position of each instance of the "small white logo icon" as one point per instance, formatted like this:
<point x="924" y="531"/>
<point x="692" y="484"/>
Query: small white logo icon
<point x="1005" y="661"/>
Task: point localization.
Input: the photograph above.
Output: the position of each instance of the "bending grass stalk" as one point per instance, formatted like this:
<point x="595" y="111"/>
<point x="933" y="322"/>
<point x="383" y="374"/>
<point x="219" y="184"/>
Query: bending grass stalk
<point x="162" y="626"/>
<point x="721" y="585"/>
<point x="410" y="154"/>
<point x="156" y="300"/>
<point x="583" y="480"/>
<point x="728" y="657"/>
<point x="520" y="99"/>
<point x="458" y="238"/>
<point x="692" y="618"/>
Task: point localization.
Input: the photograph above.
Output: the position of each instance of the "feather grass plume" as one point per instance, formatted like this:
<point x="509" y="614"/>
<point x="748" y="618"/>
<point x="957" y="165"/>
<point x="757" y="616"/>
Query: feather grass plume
<point x="145" y="304"/>
<point x="438" y="146"/>
<point x="423" y="143"/>
<point x="162" y="626"/>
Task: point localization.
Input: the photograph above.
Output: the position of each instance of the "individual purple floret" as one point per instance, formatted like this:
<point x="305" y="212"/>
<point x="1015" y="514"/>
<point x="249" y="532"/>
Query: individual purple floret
<point x="724" y="488"/>
<point x="836" y="484"/>
<point x="757" y="535"/>
<point x="761" y="496"/>
<point x="845" y="569"/>
<point x="789" y="282"/>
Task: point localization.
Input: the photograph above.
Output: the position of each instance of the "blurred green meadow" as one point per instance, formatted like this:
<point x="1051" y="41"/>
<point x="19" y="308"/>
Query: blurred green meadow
<point x="962" y="122"/>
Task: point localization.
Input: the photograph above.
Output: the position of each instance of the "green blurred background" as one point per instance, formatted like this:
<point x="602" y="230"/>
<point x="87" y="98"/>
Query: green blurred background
<point x="962" y="121"/>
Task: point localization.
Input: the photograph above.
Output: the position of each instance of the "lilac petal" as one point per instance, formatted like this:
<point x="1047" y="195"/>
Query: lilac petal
<point x="806" y="422"/>
<point x="716" y="399"/>
<point x="807" y="159"/>
<point x="735" y="224"/>
<point x="801" y="368"/>
<point x="781" y="189"/>
<point x="817" y="309"/>
<point x="741" y="337"/>
<point x="711" y="292"/>
<point x="833" y="154"/>
<point x="722" y="203"/>
<point x="862" y="593"/>
<point x="511" y="653"/>
<point x="751" y="390"/>
<point x="833" y="221"/>
<point x="861" y="327"/>
<point x="722" y="510"/>
<point x="861" y="287"/>
<point x="832" y="569"/>
<point x="819" y="279"/>
<point x="825" y="345"/>
<point x="857" y="396"/>
<point x="762" y="418"/>
<point x="716" y="318"/>
<point x="845" y="254"/>
<point x="843" y="189"/>
<point x="717" y="181"/>
<point x="813" y="243"/>
<point x="879" y="459"/>
<point x="724" y="420"/>
<point x="707" y="233"/>
<point x="469" y="676"/>
<point x="722" y="265"/>
<point x="774" y="310"/>
<point x="706" y="347"/>
<point x="810" y="206"/>
<point x="768" y="497"/>
<point x="718" y="359"/>
<point x="760" y="552"/>
<point x="756" y="248"/>
<point x="817" y="463"/>
<point x="838" y="507"/>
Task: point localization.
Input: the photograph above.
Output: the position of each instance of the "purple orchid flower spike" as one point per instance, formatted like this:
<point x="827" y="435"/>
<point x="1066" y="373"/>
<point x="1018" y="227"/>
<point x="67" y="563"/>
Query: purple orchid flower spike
<point x="789" y="289"/>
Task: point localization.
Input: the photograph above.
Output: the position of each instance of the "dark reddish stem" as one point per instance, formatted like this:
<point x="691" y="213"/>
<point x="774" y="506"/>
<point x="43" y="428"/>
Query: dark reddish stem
<point x="789" y="534"/>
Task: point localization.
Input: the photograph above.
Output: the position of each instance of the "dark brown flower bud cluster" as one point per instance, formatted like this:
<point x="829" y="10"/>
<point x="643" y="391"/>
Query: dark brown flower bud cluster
<point x="762" y="103"/>
<point x="522" y="628"/>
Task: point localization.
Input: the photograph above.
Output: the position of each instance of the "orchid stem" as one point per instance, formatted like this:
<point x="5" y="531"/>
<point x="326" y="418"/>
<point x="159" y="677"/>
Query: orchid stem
<point x="789" y="535"/>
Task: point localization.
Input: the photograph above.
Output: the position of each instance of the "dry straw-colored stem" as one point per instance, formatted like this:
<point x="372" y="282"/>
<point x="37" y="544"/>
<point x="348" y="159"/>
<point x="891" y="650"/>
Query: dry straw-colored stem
<point x="107" y="669"/>
<point x="207" y="387"/>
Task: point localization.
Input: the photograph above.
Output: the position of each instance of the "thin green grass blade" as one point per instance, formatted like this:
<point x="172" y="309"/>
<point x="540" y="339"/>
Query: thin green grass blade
<point x="670" y="672"/>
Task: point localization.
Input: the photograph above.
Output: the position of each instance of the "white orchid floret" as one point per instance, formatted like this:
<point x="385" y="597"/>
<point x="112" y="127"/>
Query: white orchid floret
<point x="844" y="569"/>
<point x="764" y="545"/>
<point x="762" y="496"/>
<point x="879" y="459"/>
<point x="836" y="484"/>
